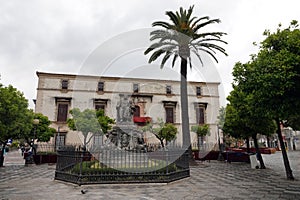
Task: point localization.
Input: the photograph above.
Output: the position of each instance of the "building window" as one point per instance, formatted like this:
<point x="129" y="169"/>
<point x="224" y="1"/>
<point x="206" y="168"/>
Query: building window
<point x="168" y="89"/>
<point x="198" y="91"/>
<point x="64" y="84"/>
<point x="137" y="112"/>
<point x="135" y="88"/>
<point x="100" y="106"/>
<point x="200" y="115"/>
<point x="97" y="140"/>
<point x="170" y="107"/>
<point x="60" y="140"/>
<point x="200" y="112"/>
<point x="100" y="86"/>
<point x="169" y="114"/>
<point x="62" y="112"/>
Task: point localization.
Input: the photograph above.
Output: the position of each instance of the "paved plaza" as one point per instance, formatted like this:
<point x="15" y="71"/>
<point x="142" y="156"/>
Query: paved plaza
<point x="209" y="180"/>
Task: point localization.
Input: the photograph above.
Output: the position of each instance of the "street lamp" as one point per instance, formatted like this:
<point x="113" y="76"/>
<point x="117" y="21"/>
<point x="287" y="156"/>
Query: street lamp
<point x="35" y="123"/>
<point x="220" y="157"/>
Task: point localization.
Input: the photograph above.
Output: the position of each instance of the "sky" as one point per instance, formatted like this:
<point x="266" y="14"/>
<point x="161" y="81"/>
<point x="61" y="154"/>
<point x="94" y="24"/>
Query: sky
<point x="100" y="37"/>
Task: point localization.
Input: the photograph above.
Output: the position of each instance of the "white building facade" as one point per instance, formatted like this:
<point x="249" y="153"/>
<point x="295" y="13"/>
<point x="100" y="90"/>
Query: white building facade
<point x="57" y="94"/>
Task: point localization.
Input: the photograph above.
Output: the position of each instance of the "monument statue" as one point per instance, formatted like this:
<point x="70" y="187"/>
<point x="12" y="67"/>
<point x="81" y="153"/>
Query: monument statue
<point x="125" y="134"/>
<point x="125" y="109"/>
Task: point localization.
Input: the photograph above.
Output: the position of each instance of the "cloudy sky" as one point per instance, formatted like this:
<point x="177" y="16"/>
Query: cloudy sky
<point x="62" y="36"/>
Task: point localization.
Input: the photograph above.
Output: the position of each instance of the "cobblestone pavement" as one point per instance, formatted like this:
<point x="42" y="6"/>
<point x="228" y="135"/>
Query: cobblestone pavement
<point x="210" y="180"/>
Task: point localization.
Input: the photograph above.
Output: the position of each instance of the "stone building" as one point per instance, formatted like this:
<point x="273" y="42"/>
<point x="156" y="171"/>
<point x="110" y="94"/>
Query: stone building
<point x="152" y="98"/>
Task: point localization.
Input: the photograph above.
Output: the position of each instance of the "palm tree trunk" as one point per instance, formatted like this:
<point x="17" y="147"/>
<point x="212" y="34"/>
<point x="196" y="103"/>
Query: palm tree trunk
<point x="288" y="170"/>
<point x="259" y="157"/>
<point x="186" y="138"/>
<point x="184" y="105"/>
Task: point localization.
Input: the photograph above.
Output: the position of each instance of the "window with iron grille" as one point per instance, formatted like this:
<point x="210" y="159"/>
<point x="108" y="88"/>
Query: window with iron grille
<point x="60" y="140"/>
<point x="198" y="91"/>
<point x="64" y="84"/>
<point x="135" y="87"/>
<point x="97" y="140"/>
<point x="100" y="86"/>
<point x="168" y="89"/>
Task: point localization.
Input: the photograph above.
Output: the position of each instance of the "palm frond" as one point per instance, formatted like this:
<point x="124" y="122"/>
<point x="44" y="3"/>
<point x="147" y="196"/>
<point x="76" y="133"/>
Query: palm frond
<point x="197" y="27"/>
<point x="190" y="62"/>
<point x="198" y="55"/>
<point x="174" y="59"/>
<point x="209" y="39"/>
<point x="208" y="52"/>
<point x="173" y="17"/>
<point x="211" y="34"/>
<point x="190" y="11"/>
<point x="209" y="45"/>
<point x="168" y="42"/>
<point x="155" y="55"/>
<point x="162" y="24"/>
<point x="198" y="20"/>
<point x="165" y="58"/>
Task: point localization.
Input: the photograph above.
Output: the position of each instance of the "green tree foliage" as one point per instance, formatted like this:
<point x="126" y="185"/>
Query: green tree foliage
<point x="272" y="77"/>
<point x="178" y="39"/>
<point x="243" y="120"/>
<point x="104" y="121"/>
<point x="89" y="122"/>
<point x="13" y="115"/>
<point x="221" y="117"/>
<point x="164" y="132"/>
<point x="43" y="131"/>
<point x="201" y="131"/>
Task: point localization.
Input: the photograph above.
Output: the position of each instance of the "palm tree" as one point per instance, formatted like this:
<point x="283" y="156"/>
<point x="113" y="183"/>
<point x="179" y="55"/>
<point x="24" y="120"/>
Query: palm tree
<point x="178" y="39"/>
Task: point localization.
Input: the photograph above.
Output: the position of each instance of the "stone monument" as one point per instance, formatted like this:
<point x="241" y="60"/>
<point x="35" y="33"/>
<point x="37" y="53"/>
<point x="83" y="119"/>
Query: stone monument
<point x="125" y="135"/>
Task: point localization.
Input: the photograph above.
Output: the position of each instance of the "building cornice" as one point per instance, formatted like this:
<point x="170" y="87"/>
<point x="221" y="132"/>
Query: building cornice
<point x="131" y="79"/>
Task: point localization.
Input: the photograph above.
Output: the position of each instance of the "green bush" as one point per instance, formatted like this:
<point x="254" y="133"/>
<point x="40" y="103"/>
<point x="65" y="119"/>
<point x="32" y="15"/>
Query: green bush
<point x="93" y="167"/>
<point x="15" y="144"/>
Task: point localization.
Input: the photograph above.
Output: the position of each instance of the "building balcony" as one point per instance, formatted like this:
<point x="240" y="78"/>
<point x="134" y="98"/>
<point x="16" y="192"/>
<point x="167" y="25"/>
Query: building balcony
<point x="141" y="119"/>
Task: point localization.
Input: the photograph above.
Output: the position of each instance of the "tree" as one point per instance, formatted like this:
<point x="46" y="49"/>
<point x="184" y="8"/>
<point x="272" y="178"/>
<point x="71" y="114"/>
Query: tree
<point x="273" y="77"/>
<point x="42" y="132"/>
<point x="104" y="121"/>
<point x="89" y="122"/>
<point x="221" y="117"/>
<point x="165" y="132"/>
<point x="179" y="38"/>
<point x="243" y="120"/>
<point x="201" y="131"/>
<point x="13" y="115"/>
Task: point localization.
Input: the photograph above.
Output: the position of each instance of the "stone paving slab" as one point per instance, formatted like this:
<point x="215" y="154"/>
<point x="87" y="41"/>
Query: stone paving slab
<point x="213" y="180"/>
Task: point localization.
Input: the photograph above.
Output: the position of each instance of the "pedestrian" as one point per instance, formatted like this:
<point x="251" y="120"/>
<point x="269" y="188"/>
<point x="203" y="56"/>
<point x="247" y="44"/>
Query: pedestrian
<point x="22" y="150"/>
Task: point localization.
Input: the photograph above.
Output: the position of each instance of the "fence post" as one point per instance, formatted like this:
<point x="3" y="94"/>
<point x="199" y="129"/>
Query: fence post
<point x="80" y="171"/>
<point x="167" y="161"/>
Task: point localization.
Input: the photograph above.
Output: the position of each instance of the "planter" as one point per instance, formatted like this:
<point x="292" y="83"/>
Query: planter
<point x="231" y="156"/>
<point x="40" y="159"/>
<point x="211" y="155"/>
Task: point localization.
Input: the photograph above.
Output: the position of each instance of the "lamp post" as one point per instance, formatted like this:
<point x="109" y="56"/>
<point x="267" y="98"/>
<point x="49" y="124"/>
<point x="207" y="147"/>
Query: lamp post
<point x="220" y="157"/>
<point x="58" y="138"/>
<point x="35" y="123"/>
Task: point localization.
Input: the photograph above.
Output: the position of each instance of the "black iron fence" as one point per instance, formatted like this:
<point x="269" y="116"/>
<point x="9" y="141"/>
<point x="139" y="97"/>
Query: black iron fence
<point x="119" y="166"/>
